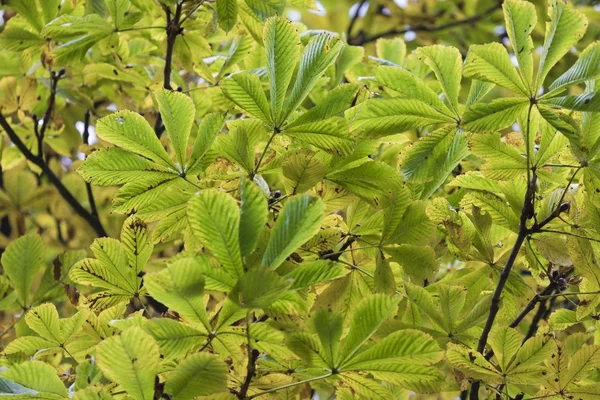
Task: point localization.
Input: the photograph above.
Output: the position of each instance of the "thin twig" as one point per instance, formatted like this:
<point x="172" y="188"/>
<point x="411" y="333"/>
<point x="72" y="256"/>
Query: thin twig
<point x="355" y="18"/>
<point x="426" y="28"/>
<point x="173" y="29"/>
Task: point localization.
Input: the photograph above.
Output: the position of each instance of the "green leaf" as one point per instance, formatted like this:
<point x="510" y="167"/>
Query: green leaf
<point x="111" y="269"/>
<point x="472" y="363"/>
<point x="114" y="166"/>
<point x="419" y="262"/>
<point x="585" y="359"/>
<point x="227" y="14"/>
<point x="505" y="342"/>
<point x="399" y="202"/>
<point x="311" y="273"/>
<point x="334" y="104"/>
<point x="132" y="360"/>
<point x="366" y="319"/>
<point x="383" y="278"/>
<point x="587" y="67"/>
<point x="199" y="374"/>
<point x="259" y="288"/>
<point x="490" y="117"/>
<point x="393" y="50"/>
<point x="37" y="376"/>
<point x="180" y="286"/>
<point x="589" y="101"/>
<point x="215" y="220"/>
<point x="410" y="86"/>
<point x="330" y="135"/>
<point x="266" y="8"/>
<point x="254" y="214"/>
<point x="562" y="122"/>
<point x="43" y="319"/>
<point x="408" y="347"/>
<point x="371" y="180"/>
<point x="478" y="90"/>
<point x="302" y="170"/>
<point x="299" y="221"/>
<point x="117" y="10"/>
<point x="320" y="53"/>
<point x="446" y="64"/>
<point x="566" y="27"/>
<point x="28" y="9"/>
<point x="520" y="18"/>
<point x="207" y="132"/>
<point x="282" y="45"/>
<point x="246" y="91"/>
<point x="381" y="117"/>
<point x="136" y="241"/>
<point x="239" y="144"/>
<point x="77" y="34"/>
<point x="174" y="338"/>
<point x="491" y="63"/>
<point x="130" y="131"/>
<point x="21" y="261"/>
<point x="329" y="327"/>
<point x="177" y="112"/>
<point x="14" y="38"/>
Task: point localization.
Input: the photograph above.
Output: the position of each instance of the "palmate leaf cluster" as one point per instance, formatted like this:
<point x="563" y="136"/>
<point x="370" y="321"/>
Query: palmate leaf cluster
<point x="290" y="213"/>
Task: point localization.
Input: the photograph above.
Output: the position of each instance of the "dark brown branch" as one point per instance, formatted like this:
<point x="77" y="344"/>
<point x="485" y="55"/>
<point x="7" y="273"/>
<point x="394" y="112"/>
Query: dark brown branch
<point x="251" y="368"/>
<point x="93" y="221"/>
<point x="354" y="18"/>
<point x="360" y="41"/>
<point x="173" y="30"/>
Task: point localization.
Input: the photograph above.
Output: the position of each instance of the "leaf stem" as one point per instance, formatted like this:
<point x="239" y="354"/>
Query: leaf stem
<point x="262" y="155"/>
<point x="289" y="385"/>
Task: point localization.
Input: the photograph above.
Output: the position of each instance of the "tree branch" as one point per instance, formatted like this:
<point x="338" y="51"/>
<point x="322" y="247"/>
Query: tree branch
<point x="173" y="30"/>
<point x="360" y="41"/>
<point x="38" y="160"/>
<point x="354" y="18"/>
<point x="251" y="368"/>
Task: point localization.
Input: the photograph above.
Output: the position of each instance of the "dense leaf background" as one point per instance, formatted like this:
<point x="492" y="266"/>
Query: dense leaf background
<point x="232" y="199"/>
